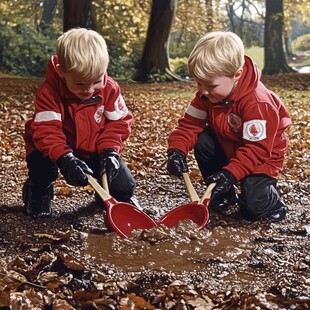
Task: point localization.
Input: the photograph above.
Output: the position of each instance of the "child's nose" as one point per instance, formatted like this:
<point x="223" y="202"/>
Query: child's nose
<point x="205" y="91"/>
<point x="89" y="89"/>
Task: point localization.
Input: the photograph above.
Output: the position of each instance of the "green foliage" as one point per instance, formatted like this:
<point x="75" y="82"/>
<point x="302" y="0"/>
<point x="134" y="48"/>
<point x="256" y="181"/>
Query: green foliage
<point x="124" y="24"/>
<point x="179" y="66"/>
<point x="302" y="43"/>
<point x="181" y="46"/>
<point x="159" y="78"/>
<point x="189" y="25"/>
<point x="24" y="51"/>
<point x="257" y="54"/>
<point x="122" y="66"/>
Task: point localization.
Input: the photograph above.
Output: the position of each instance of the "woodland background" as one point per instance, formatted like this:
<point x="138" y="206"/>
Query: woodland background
<point x="243" y="265"/>
<point x="151" y="40"/>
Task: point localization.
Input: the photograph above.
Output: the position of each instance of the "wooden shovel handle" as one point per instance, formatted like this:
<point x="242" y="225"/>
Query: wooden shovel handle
<point x="98" y="189"/>
<point x="105" y="183"/>
<point x="190" y="188"/>
<point x="207" y="193"/>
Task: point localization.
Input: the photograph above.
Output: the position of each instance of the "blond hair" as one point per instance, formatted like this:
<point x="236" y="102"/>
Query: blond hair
<point x="83" y="51"/>
<point x="216" y="53"/>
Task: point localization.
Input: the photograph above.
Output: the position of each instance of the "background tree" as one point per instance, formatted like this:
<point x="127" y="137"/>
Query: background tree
<point x="210" y="21"/>
<point x="45" y="24"/>
<point x="77" y="14"/>
<point x="275" y="61"/>
<point x="296" y="25"/>
<point x="124" y="25"/>
<point x="188" y="26"/>
<point x="155" y="59"/>
<point x="246" y="19"/>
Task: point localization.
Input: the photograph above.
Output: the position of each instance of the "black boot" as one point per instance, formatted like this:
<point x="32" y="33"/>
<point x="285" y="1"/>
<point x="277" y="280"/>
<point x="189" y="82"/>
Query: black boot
<point x="222" y="203"/>
<point x="278" y="212"/>
<point x="37" y="201"/>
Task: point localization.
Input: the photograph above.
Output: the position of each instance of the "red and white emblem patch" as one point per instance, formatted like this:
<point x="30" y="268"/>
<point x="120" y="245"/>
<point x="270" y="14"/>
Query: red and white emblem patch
<point x="98" y="114"/>
<point x="234" y="121"/>
<point x="254" y="130"/>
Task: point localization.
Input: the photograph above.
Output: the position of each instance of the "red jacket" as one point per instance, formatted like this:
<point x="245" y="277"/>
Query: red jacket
<point x="250" y="127"/>
<point x="63" y="123"/>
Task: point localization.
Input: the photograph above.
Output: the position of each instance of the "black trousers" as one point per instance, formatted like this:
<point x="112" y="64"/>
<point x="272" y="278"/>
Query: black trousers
<point x="42" y="171"/>
<point x="258" y="191"/>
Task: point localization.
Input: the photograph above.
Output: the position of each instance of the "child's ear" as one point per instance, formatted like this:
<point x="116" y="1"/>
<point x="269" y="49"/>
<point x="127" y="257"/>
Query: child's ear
<point x="238" y="74"/>
<point x="59" y="71"/>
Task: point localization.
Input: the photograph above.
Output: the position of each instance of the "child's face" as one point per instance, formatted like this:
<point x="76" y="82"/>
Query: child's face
<point x="217" y="88"/>
<point x="82" y="88"/>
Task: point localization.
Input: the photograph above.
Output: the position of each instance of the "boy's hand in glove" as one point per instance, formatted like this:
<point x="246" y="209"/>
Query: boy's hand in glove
<point x="109" y="164"/>
<point x="73" y="169"/>
<point x="177" y="164"/>
<point x="224" y="181"/>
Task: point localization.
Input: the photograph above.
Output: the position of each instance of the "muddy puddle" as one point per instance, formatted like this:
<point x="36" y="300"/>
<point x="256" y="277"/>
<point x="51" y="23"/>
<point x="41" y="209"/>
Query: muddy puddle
<point x="178" y="249"/>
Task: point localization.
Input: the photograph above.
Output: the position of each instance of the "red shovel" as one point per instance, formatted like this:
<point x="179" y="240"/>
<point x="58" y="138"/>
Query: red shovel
<point x="123" y="217"/>
<point x="197" y="210"/>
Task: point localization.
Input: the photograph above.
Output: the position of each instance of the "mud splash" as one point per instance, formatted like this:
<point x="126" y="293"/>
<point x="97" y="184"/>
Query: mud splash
<point x="178" y="249"/>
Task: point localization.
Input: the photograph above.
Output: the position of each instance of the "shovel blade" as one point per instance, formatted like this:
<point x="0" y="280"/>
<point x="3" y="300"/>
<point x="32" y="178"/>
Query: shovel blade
<point x="198" y="213"/>
<point x="124" y="218"/>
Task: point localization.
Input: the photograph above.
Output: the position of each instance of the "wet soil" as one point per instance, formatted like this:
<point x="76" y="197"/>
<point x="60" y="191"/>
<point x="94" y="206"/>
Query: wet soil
<point x="73" y="261"/>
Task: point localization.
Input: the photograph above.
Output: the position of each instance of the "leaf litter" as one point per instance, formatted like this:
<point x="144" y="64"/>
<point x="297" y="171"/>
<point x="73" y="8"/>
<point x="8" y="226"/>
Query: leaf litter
<point x="73" y="261"/>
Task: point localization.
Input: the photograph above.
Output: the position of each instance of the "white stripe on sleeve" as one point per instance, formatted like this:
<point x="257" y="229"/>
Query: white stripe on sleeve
<point x="47" y="116"/>
<point x="120" y="109"/>
<point x="194" y="112"/>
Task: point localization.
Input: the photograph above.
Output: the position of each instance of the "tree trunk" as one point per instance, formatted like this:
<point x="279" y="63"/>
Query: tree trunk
<point x="47" y="16"/>
<point x="288" y="47"/>
<point x="275" y="61"/>
<point x="209" y="9"/>
<point x="154" y="65"/>
<point x="231" y="15"/>
<point x="77" y="14"/>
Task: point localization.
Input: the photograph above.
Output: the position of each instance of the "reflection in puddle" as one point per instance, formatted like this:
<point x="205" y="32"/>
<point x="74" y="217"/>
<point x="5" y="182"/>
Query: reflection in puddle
<point x="183" y="248"/>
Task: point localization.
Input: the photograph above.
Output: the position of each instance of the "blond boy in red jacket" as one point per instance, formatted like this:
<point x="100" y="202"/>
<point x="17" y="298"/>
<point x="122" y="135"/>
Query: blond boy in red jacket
<point x="79" y="124"/>
<point x="236" y="127"/>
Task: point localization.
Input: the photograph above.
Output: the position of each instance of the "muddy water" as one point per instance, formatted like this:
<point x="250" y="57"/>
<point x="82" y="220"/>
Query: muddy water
<point x="183" y="248"/>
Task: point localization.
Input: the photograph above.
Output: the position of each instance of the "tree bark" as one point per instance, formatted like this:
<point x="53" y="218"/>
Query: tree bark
<point x="154" y="65"/>
<point x="47" y="16"/>
<point x="275" y="61"/>
<point x="232" y="16"/>
<point x="77" y="14"/>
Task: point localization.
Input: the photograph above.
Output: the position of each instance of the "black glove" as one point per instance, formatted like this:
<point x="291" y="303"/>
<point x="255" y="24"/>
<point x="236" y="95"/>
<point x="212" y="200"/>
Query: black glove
<point x="224" y="181"/>
<point x="176" y="163"/>
<point x="73" y="169"/>
<point x="109" y="164"/>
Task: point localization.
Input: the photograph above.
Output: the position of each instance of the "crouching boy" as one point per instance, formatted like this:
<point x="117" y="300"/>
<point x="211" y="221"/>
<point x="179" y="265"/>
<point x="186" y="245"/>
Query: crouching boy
<point x="79" y="124"/>
<point x="236" y="127"/>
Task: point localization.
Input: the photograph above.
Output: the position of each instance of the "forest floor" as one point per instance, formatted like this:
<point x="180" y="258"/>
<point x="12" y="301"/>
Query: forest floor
<point x="73" y="261"/>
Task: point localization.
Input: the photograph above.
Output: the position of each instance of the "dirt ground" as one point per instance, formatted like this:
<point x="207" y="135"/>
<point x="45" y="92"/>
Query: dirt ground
<point x="72" y="261"/>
